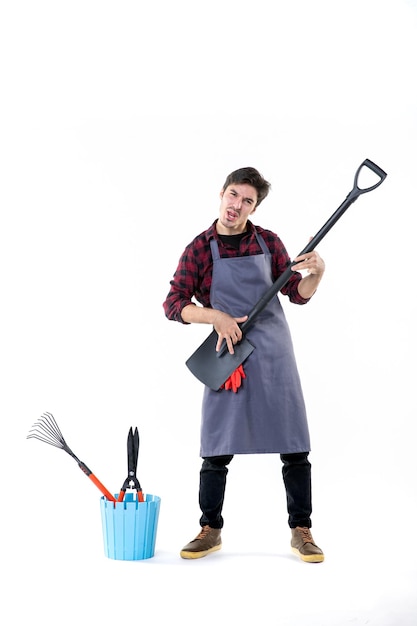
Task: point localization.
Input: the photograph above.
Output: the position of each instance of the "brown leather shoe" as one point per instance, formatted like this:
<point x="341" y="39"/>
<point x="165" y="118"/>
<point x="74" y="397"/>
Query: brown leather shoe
<point x="208" y="540"/>
<point x="302" y="544"/>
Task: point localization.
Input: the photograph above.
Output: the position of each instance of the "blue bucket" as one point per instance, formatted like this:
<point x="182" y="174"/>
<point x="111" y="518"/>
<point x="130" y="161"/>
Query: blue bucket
<point x="130" y="527"/>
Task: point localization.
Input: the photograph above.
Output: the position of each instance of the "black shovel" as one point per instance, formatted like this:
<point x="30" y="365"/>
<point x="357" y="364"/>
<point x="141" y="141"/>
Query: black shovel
<point x="214" y="368"/>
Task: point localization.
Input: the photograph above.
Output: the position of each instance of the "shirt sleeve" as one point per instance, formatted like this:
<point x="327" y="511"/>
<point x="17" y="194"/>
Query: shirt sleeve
<point x="184" y="285"/>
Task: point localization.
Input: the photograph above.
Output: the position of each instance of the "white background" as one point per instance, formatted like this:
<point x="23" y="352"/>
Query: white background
<point x="119" y="123"/>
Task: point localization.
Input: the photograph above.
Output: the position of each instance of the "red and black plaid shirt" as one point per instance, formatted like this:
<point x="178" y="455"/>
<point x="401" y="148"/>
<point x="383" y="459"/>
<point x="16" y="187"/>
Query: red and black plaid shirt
<point x="192" y="278"/>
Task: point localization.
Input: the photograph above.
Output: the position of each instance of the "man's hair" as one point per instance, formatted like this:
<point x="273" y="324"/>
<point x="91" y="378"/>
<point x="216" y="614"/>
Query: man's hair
<point x="249" y="176"/>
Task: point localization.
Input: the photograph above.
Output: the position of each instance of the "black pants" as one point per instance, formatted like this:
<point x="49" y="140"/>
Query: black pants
<point x="296" y="472"/>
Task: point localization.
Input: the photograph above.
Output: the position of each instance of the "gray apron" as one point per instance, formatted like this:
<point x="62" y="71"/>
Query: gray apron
<point x="267" y="414"/>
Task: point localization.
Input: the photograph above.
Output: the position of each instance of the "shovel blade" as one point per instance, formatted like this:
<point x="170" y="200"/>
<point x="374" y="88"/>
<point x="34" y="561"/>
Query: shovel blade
<point x="214" y="370"/>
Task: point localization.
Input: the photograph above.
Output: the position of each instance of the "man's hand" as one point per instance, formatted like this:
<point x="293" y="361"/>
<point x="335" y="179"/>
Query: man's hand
<point x="227" y="328"/>
<point x="312" y="262"/>
<point x="315" y="266"/>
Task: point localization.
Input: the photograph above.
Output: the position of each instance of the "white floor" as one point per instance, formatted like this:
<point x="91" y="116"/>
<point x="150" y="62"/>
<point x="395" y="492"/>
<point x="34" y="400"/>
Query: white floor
<point x="355" y="585"/>
<point x="55" y="570"/>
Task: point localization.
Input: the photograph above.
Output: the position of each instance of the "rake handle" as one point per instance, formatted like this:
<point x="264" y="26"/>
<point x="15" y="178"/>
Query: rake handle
<point x="96" y="481"/>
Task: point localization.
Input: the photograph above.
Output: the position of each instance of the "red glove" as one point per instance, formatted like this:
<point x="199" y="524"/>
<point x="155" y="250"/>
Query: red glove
<point x="235" y="380"/>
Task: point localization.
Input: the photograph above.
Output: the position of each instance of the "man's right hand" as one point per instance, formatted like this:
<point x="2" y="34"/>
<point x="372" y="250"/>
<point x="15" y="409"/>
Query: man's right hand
<point x="228" y="329"/>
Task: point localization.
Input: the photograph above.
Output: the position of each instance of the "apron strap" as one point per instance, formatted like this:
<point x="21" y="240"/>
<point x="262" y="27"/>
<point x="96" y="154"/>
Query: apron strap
<point x="214" y="250"/>
<point x="262" y="243"/>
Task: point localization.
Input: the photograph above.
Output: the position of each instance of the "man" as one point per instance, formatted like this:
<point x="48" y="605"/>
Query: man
<point x="260" y="409"/>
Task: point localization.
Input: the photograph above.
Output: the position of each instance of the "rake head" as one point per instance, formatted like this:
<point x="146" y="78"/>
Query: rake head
<point x="47" y="430"/>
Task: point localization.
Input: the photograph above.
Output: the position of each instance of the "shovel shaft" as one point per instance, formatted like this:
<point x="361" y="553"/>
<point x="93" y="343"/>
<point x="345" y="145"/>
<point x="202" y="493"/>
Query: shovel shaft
<point x="285" y="277"/>
<point x="213" y="368"/>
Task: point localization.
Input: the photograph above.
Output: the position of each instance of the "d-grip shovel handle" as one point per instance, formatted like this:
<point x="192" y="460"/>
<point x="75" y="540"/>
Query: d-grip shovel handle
<point x="284" y="278"/>
<point x="376" y="169"/>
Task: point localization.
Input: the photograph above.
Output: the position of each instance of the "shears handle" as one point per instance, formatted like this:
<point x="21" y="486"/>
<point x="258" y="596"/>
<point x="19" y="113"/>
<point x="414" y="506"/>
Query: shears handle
<point x="122" y="495"/>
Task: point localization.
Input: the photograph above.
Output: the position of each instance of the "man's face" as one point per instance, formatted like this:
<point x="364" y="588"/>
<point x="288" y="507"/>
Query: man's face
<point x="237" y="203"/>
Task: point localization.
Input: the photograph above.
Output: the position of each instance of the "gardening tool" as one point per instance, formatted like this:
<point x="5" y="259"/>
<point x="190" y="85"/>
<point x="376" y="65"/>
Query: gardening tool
<point x="214" y="368"/>
<point x="132" y="481"/>
<point x="46" y="429"/>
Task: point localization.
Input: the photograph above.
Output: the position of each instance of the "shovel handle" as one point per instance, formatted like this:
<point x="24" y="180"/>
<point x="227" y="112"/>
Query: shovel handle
<point x="285" y="277"/>
<point x="350" y="198"/>
<point x="376" y="169"/>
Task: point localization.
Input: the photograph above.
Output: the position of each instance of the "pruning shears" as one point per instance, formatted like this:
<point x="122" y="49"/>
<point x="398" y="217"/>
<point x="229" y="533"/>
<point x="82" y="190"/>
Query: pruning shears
<point x="132" y="481"/>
